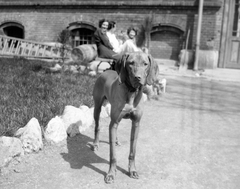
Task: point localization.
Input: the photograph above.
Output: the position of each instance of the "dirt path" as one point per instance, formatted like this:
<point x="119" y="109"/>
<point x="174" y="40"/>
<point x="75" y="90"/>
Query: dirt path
<point x="188" y="139"/>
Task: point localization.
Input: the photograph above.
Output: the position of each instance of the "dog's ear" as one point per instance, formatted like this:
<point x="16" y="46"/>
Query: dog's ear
<point x="121" y="68"/>
<point x="153" y="71"/>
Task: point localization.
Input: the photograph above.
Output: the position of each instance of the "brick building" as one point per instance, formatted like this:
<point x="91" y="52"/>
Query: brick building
<point x="42" y="20"/>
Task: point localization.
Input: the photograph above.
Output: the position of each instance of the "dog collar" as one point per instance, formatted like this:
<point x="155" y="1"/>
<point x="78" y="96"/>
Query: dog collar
<point x="130" y="87"/>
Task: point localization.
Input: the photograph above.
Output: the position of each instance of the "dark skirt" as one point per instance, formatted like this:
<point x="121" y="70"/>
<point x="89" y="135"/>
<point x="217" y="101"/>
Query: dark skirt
<point x="104" y="52"/>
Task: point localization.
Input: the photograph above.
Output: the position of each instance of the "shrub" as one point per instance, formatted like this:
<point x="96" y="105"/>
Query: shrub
<point x="64" y="39"/>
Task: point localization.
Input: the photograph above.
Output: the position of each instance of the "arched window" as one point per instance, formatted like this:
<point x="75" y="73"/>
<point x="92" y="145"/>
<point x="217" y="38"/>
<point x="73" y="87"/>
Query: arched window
<point x="13" y="29"/>
<point x="166" y="41"/>
<point x="81" y="33"/>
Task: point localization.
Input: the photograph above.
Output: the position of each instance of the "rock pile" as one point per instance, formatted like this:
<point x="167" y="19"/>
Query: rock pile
<point x="29" y="138"/>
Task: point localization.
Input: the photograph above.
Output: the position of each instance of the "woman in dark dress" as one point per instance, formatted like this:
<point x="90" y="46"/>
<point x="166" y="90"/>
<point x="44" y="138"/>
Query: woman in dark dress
<point x="105" y="49"/>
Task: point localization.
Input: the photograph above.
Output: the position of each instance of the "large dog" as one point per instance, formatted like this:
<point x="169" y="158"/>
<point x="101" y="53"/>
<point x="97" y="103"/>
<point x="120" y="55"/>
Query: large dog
<point x="123" y="88"/>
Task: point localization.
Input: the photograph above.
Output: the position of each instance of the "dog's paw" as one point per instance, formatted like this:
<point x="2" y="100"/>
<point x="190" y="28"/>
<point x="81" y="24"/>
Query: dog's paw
<point x="134" y="175"/>
<point x="109" y="178"/>
<point x="94" y="147"/>
<point x="118" y="143"/>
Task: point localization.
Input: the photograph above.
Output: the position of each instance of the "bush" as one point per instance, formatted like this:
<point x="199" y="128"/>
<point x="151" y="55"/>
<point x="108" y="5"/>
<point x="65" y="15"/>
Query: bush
<point x="64" y="39"/>
<point x="27" y="91"/>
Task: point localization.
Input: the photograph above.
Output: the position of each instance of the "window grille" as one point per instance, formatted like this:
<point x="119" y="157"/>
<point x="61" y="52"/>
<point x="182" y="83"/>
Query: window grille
<point x="82" y="36"/>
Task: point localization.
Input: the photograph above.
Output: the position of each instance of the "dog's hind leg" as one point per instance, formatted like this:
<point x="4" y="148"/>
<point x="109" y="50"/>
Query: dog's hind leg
<point x="98" y="101"/>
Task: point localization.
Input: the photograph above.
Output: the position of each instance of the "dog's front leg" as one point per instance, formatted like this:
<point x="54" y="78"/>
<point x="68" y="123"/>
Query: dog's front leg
<point x="136" y="117"/>
<point x="113" y="160"/>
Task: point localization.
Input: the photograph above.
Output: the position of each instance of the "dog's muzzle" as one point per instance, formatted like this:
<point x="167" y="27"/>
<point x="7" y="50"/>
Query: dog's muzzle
<point x="137" y="82"/>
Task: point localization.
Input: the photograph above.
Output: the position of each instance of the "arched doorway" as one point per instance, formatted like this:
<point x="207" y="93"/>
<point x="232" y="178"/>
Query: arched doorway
<point x="81" y="33"/>
<point x="166" y="42"/>
<point x="13" y="29"/>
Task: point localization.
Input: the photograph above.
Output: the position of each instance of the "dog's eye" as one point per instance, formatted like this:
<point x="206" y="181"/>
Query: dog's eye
<point x="145" y="64"/>
<point x="131" y="63"/>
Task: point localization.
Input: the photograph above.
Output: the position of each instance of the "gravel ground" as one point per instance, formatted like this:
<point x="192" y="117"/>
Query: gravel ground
<point x="189" y="139"/>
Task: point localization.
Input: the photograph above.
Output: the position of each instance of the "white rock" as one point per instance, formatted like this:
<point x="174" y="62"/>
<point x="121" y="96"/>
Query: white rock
<point x="84" y="108"/>
<point x="56" y="68"/>
<point x="88" y="118"/>
<point x="92" y="73"/>
<point x="76" y="120"/>
<point x="93" y="65"/>
<point x="55" y="130"/>
<point x="91" y="110"/>
<point x="97" y="67"/>
<point x="73" y="69"/>
<point x="31" y="136"/>
<point x="103" y="66"/>
<point x="82" y="68"/>
<point x="10" y="147"/>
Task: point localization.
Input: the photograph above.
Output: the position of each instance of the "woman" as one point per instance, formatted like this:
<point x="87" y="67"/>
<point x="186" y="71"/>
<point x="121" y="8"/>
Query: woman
<point x="105" y="49"/>
<point x="112" y="37"/>
<point x="130" y="44"/>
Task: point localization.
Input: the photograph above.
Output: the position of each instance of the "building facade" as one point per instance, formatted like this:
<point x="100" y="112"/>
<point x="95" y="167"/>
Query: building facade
<point x="173" y="21"/>
<point x="230" y="38"/>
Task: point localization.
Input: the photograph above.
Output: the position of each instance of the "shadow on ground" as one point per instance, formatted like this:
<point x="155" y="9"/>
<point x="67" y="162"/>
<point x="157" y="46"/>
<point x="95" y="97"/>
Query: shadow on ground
<point x="80" y="154"/>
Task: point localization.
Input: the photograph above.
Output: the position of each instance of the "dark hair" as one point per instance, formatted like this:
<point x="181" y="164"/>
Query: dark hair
<point x="132" y="29"/>
<point x="101" y="22"/>
<point x="112" y="24"/>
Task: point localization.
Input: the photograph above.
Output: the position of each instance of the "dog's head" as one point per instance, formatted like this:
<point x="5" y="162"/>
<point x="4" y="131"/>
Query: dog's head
<point x="137" y="69"/>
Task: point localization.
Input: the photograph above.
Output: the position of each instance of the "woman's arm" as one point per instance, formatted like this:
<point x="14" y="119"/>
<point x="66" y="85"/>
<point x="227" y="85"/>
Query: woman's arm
<point x="101" y="39"/>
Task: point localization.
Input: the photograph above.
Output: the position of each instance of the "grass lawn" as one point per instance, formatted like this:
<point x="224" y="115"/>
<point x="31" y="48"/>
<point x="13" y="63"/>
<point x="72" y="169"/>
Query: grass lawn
<point x="27" y="91"/>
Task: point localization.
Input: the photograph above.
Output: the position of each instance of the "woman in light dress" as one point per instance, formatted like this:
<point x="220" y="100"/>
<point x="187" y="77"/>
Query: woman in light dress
<point x="118" y="46"/>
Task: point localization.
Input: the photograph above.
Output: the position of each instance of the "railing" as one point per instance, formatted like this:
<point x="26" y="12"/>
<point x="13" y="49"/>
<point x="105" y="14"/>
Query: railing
<point x="20" y="47"/>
